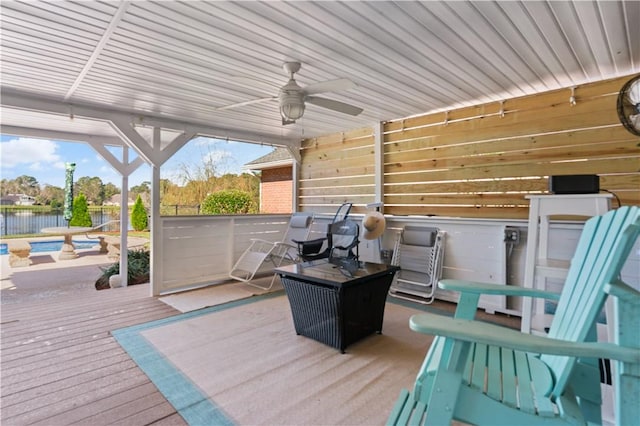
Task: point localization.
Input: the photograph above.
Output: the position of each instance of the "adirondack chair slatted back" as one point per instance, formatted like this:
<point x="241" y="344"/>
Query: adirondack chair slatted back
<point x="473" y="374"/>
<point x="597" y="261"/>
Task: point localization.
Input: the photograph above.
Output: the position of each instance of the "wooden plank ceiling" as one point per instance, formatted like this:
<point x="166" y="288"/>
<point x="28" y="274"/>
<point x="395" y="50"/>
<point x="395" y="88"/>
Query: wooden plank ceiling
<point x="182" y="60"/>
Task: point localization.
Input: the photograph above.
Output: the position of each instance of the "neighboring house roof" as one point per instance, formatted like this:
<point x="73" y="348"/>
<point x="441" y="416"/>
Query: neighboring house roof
<point x="115" y="200"/>
<point x="7" y="201"/>
<point x="18" y="199"/>
<point x="277" y="158"/>
<point x="10" y="199"/>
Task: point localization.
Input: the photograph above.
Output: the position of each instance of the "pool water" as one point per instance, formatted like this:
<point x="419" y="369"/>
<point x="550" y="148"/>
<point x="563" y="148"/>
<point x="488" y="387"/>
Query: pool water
<point x="55" y="245"/>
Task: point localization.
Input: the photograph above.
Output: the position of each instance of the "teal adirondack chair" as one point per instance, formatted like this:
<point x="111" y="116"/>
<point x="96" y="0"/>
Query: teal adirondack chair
<point x="482" y="373"/>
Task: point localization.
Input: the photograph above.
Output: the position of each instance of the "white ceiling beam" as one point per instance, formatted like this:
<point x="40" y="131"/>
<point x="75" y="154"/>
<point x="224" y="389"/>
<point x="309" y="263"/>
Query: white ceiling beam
<point x="113" y="24"/>
<point x="61" y="136"/>
<point x="124" y="168"/>
<point x="153" y="152"/>
<point x="295" y="153"/>
<point x="217" y="132"/>
<point x="28" y="101"/>
<point x="126" y="130"/>
<point x="177" y="143"/>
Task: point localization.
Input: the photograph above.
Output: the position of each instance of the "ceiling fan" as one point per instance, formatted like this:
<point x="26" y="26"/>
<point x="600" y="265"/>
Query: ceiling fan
<point x="292" y="98"/>
<point x="629" y="105"/>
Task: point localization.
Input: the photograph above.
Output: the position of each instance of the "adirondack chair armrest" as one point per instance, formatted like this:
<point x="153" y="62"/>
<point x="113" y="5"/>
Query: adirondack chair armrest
<point x="623" y="292"/>
<point x="463" y="286"/>
<point x="494" y="335"/>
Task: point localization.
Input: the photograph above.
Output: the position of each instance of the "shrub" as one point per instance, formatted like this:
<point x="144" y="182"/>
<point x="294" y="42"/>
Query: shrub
<point x="138" y="268"/>
<point x="230" y="201"/>
<point x="80" y="214"/>
<point x="139" y="220"/>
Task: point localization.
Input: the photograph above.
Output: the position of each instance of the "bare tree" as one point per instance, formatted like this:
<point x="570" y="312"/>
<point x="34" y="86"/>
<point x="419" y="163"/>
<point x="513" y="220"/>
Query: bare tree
<point x="21" y="185"/>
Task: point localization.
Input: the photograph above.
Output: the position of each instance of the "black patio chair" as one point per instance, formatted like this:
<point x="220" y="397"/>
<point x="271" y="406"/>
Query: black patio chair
<point x="313" y="249"/>
<point x="343" y="240"/>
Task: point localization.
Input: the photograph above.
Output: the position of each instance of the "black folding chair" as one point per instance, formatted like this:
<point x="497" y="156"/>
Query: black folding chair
<point x="313" y="249"/>
<point x="343" y="239"/>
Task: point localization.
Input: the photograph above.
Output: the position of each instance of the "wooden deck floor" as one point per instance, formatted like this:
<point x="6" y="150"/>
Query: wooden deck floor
<point x="61" y="366"/>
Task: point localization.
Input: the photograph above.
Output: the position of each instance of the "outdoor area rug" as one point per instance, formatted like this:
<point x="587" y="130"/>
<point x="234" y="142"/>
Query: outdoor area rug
<point x="219" y="294"/>
<point x="242" y="363"/>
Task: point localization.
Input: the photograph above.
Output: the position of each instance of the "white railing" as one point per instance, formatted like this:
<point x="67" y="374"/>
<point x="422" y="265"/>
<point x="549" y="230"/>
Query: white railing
<point x="200" y="250"/>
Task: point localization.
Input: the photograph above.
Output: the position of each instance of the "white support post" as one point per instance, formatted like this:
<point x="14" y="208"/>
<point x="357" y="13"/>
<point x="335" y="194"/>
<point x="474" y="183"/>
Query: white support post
<point x="295" y="185"/>
<point x="155" y="273"/>
<point x="370" y="249"/>
<point x="124" y="222"/>
<point x="378" y="159"/>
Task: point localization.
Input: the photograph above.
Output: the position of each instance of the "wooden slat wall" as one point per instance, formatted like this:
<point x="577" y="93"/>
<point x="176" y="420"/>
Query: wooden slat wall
<point x="336" y="169"/>
<point x="480" y="161"/>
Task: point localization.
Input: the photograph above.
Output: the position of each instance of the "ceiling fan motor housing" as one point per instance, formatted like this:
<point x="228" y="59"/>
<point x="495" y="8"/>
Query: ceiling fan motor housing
<point x="628" y="105"/>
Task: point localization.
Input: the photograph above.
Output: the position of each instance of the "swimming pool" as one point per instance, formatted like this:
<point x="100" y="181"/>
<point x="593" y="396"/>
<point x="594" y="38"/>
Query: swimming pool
<point x="54" y="245"/>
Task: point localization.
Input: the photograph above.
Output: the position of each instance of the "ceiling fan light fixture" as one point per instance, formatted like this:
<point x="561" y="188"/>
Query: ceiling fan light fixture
<point x="291" y="111"/>
<point x="292" y="98"/>
<point x="291" y="107"/>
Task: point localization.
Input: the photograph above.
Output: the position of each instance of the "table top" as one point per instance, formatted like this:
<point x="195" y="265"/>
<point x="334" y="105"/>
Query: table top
<point x="330" y="274"/>
<point x="66" y="230"/>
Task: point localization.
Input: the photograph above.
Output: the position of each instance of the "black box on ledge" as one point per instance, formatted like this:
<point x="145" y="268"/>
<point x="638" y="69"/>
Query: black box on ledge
<point x="574" y="184"/>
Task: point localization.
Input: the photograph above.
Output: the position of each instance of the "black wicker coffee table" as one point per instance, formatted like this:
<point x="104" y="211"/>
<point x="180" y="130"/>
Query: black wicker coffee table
<point x="336" y="307"/>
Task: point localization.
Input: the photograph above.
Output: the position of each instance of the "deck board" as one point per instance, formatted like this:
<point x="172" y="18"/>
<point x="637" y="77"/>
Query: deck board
<point x="61" y="365"/>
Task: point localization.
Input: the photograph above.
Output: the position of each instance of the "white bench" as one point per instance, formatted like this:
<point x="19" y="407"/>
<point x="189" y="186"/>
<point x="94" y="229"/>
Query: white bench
<point x="19" y="252"/>
<point x="113" y="245"/>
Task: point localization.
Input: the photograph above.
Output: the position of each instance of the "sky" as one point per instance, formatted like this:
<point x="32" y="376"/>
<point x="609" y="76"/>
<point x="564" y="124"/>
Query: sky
<point x="45" y="160"/>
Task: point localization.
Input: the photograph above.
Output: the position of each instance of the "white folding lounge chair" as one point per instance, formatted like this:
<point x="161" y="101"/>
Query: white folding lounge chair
<point x="262" y="251"/>
<point x="419" y="253"/>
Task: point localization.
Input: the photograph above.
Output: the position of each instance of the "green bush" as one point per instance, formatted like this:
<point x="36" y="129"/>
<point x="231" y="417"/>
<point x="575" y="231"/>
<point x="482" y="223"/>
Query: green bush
<point x="80" y="215"/>
<point x="138" y="267"/>
<point x="229" y="201"/>
<point x="139" y="219"/>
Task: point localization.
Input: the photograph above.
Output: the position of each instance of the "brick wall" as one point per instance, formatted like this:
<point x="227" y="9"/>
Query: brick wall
<point x="276" y="190"/>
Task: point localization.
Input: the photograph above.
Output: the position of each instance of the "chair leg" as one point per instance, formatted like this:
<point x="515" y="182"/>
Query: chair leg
<point x="440" y="390"/>
<point x="276" y="263"/>
<point x="444" y="395"/>
<point x="423" y="300"/>
<point x="273" y="280"/>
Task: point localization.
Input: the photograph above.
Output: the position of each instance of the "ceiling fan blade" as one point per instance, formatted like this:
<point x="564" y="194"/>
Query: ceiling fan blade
<point x="334" y="105"/>
<point x="251" y="102"/>
<point x="634" y="94"/>
<point x="338" y="85"/>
